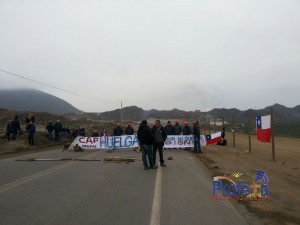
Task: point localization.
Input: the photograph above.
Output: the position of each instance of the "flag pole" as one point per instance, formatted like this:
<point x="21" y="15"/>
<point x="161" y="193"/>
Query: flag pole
<point x="249" y="130"/>
<point x="273" y="135"/>
<point x="121" y="113"/>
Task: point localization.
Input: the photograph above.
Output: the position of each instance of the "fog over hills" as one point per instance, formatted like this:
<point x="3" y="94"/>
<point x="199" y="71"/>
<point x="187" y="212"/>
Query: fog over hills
<point x="34" y="101"/>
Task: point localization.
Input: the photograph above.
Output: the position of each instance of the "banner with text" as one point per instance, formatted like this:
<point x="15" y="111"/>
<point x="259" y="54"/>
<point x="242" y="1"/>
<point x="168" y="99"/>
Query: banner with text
<point x="131" y="141"/>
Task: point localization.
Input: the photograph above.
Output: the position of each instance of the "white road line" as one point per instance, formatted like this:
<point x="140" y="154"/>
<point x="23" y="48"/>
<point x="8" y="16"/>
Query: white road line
<point x="23" y="180"/>
<point x="16" y="183"/>
<point x="156" y="205"/>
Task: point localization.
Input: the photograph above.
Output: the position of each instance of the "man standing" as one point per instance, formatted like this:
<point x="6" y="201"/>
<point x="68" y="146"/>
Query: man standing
<point x="169" y="129"/>
<point x="31" y="131"/>
<point x="186" y="131"/>
<point x="118" y="131"/>
<point x="57" y="130"/>
<point x="159" y="136"/>
<point x="146" y="139"/>
<point x="9" y="130"/>
<point x="177" y="128"/>
<point x="196" y="134"/>
<point x="129" y="130"/>
<point x="50" y="129"/>
<point x="15" y="127"/>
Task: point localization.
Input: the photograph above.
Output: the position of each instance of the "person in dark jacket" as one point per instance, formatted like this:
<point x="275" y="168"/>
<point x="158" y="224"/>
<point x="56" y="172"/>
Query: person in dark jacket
<point x="50" y="129"/>
<point x="9" y="130"/>
<point x="95" y="133"/>
<point x="159" y="136"/>
<point x="129" y="130"/>
<point x="177" y="128"/>
<point x="31" y="131"/>
<point x="196" y="134"/>
<point x="57" y="130"/>
<point x="186" y="131"/>
<point x="146" y="139"/>
<point x="118" y="131"/>
<point x="15" y="127"/>
<point x="169" y="129"/>
<point x="223" y="141"/>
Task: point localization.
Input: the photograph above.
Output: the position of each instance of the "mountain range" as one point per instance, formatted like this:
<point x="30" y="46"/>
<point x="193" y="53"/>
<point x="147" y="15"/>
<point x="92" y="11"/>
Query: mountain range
<point x="37" y="101"/>
<point x="134" y="113"/>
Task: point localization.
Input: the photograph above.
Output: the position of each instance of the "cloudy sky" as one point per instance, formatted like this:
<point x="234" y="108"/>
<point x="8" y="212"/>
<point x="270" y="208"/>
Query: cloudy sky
<point x="186" y="54"/>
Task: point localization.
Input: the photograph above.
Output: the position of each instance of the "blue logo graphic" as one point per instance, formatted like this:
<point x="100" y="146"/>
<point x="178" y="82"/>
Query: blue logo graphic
<point x="261" y="177"/>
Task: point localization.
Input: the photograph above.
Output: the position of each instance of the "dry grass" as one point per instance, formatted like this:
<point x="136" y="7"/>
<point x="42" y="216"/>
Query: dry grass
<point x="283" y="173"/>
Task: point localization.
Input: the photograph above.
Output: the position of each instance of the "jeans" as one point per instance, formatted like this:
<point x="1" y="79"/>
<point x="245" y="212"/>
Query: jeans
<point x="197" y="146"/>
<point x="147" y="153"/>
<point x="158" y="146"/>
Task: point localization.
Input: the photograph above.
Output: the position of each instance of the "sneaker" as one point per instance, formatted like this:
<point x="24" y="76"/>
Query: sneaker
<point x="163" y="165"/>
<point x="153" y="167"/>
<point x="146" y="168"/>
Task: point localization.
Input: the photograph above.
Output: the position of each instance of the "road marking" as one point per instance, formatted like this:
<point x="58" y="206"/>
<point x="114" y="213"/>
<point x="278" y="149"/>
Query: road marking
<point x="23" y="180"/>
<point x="16" y="183"/>
<point x="156" y="205"/>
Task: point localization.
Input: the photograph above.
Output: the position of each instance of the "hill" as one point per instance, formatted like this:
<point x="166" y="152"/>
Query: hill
<point x="34" y="101"/>
<point x="134" y="113"/>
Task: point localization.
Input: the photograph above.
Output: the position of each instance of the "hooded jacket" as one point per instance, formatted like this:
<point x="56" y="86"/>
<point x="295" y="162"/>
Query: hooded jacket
<point x="144" y="135"/>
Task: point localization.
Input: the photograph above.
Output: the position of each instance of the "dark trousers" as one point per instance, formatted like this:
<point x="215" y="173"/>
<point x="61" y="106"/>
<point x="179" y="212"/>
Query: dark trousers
<point x="147" y="152"/>
<point x="197" y="146"/>
<point x="30" y="139"/>
<point x="8" y="136"/>
<point x="50" y="135"/>
<point x="158" y="146"/>
<point x="15" y="134"/>
<point x="57" y="134"/>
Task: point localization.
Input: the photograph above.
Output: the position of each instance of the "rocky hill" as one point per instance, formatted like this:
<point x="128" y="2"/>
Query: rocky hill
<point x="134" y="113"/>
<point x="34" y="101"/>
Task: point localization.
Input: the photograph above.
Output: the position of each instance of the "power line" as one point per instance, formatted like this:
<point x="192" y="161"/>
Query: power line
<point x="57" y="88"/>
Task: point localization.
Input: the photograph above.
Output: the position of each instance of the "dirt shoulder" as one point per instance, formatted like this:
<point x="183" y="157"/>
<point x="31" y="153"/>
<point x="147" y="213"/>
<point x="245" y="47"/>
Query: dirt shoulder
<point x="20" y="146"/>
<point x="283" y="173"/>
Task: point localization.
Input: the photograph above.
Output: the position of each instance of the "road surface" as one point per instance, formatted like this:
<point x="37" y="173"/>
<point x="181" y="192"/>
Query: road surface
<point x="102" y="193"/>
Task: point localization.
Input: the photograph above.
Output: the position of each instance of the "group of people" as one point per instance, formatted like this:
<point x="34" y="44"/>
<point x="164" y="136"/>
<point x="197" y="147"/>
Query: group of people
<point x="13" y="128"/>
<point x="58" y="130"/>
<point x="118" y="131"/>
<point x="152" y="140"/>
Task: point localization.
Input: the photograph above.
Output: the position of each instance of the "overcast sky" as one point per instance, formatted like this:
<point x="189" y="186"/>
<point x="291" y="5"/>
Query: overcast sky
<point x="187" y="54"/>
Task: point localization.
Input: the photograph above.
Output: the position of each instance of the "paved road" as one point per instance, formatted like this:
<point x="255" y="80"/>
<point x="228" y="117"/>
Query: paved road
<point x="87" y="193"/>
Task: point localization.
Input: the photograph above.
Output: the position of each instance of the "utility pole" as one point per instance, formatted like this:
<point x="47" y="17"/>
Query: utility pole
<point x="121" y="113"/>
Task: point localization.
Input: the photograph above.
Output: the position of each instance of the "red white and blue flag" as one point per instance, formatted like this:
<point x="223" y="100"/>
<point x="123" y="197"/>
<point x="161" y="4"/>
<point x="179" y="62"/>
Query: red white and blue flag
<point x="263" y="128"/>
<point x="213" y="138"/>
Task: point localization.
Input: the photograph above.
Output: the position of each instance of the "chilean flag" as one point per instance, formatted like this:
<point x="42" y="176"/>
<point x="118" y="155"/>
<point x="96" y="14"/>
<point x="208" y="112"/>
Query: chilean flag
<point x="213" y="138"/>
<point x="263" y="128"/>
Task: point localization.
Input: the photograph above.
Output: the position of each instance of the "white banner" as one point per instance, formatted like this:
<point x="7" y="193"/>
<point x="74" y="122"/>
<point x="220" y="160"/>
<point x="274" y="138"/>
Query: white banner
<point x="131" y="141"/>
<point x="108" y="142"/>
